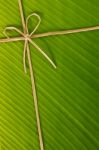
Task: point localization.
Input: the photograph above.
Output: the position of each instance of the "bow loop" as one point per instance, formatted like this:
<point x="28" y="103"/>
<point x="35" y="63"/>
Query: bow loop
<point x="27" y="21"/>
<point x="11" y="29"/>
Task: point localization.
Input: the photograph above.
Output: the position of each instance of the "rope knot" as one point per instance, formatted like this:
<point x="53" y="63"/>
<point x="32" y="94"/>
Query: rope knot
<point x="27" y="36"/>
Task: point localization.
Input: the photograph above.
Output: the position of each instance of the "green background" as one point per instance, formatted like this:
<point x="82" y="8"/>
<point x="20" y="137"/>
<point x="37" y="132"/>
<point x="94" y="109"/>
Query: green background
<point x="68" y="96"/>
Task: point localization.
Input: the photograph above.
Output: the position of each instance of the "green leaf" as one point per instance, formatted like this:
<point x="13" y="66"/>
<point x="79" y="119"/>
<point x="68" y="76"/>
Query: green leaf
<point x="68" y="96"/>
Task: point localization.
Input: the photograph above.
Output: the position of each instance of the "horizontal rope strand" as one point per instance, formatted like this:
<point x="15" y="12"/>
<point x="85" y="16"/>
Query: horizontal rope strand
<point x="65" y="32"/>
<point x="46" y="34"/>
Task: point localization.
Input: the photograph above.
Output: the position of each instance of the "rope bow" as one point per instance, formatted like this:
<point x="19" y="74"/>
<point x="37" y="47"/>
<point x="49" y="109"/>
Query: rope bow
<point x="27" y="38"/>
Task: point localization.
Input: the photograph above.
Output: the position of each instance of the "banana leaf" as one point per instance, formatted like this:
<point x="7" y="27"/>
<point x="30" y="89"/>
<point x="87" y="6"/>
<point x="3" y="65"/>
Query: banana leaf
<point x="68" y="96"/>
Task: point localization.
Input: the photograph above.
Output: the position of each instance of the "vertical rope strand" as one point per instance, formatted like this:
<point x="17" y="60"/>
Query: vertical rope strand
<point x="22" y="15"/>
<point x="24" y="56"/>
<point x="35" y="98"/>
<point x="32" y="77"/>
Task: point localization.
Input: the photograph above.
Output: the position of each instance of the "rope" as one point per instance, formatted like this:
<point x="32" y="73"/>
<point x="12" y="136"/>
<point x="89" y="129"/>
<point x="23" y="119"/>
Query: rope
<point x="27" y="38"/>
